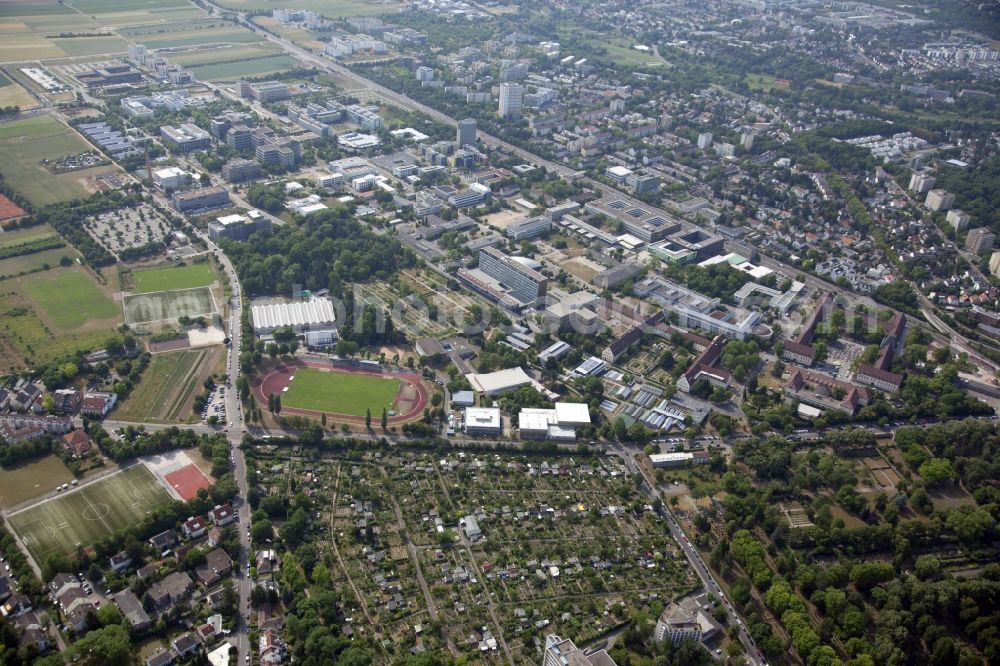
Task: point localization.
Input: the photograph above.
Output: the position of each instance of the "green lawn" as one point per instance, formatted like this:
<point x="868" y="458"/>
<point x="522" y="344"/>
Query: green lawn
<point x="36" y="261"/>
<point x="86" y="515"/>
<point x="173" y="277"/>
<point x="340" y="392"/>
<point x="25" y="340"/>
<point x="20" y="483"/>
<point x="24" y="143"/>
<point x="69" y="298"/>
<point x="230" y="71"/>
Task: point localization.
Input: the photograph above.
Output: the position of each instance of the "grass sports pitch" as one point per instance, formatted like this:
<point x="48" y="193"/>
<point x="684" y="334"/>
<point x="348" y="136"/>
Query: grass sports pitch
<point x="163" y="305"/>
<point x="340" y="392"/>
<point x="84" y="516"/>
<point x="173" y="277"/>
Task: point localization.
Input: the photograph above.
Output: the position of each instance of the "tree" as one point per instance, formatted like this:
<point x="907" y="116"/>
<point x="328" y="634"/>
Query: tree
<point x="277" y="403"/>
<point x="971" y="524"/>
<point x="261" y="531"/>
<point x="108" y="615"/>
<point x="368" y="419"/>
<point x="108" y="645"/>
<point x="936" y="471"/>
<point x="385" y="419"/>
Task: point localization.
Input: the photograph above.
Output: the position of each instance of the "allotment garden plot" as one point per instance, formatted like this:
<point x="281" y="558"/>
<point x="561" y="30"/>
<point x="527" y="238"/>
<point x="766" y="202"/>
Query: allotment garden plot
<point x="83" y="516"/>
<point x="567" y="546"/>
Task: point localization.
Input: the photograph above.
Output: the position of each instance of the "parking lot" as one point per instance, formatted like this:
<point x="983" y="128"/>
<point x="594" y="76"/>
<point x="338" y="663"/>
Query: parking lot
<point x="128" y="229"/>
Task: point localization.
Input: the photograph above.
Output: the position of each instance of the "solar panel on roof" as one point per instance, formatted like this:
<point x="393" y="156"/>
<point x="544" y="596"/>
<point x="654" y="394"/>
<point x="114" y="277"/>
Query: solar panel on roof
<point x="637" y="212"/>
<point x="617" y="205"/>
<point x="656" y="221"/>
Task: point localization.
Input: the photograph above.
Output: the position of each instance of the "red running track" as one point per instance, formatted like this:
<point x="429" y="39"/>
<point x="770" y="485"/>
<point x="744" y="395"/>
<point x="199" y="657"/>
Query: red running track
<point x="278" y="378"/>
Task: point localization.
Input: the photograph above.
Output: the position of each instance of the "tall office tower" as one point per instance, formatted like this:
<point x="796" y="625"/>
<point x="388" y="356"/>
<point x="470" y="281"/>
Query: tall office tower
<point x="511" y="98"/>
<point x="466" y="132"/>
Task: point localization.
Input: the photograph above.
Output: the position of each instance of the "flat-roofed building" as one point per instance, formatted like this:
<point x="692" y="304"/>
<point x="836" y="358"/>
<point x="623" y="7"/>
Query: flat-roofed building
<point x="529" y="228"/>
<point x="237" y="227"/>
<point x="612" y="277"/>
<point x="526" y="284"/>
<point x="689" y="618"/>
<point x="186" y="137"/>
<point x="646" y="224"/>
<point x="499" y="382"/>
<point x="171" y="178"/>
<point x="563" y="652"/>
<point x="238" y="170"/>
<point x="483" y="421"/>
<point x="269" y="91"/>
<point x="200" y="199"/>
<point x="980" y="241"/>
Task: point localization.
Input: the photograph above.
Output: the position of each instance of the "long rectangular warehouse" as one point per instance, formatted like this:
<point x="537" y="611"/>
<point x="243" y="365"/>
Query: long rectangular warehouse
<point x="315" y="314"/>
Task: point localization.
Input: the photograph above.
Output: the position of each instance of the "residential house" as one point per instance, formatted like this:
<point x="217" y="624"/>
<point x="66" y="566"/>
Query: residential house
<point x="161" y="657"/>
<point x="185" y="644"/>
<point x="173" y="589"/>
<point x="267" y="562"/>
<point x="77" y="443"/>
<point x="217" y="565"/>
<point x="222" y="515"/>
<point x="132" y="609"/>
<point x="120" y="562"/>
<point x="272" y="647"/>
<point x="163" y="540"/>
<point x="194" y="527"/>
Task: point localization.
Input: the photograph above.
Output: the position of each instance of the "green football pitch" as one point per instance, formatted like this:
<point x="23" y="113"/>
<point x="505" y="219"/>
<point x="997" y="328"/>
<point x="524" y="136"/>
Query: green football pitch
<point x="173" y="277"/>
<point x="81" y="517"/>
<point x="340" y="392"/>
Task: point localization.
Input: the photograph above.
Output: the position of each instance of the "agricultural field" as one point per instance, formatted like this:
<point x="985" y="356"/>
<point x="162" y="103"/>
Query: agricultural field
<point x="213" y="55"/>
<point x="332" y="10"/>
<point x="83" y="516"/>
<point x="169" y="305"/>
<point x="25" y="143"/>
<point x="230" y="71"/>
<point x="166" y="390"/>
<point x="13" y="94"/>
<point x="190" y="33"/>
<point x="87" y="46"/>
<point x="20" y="483"/>
<point x="340" y="392"/>
<point x="39" y="30"/>
<point x="69" y="299"/>
<point x="173" y="277"/>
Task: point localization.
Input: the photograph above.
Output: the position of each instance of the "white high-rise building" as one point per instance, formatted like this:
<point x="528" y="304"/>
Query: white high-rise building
<point x="511" y="99"/>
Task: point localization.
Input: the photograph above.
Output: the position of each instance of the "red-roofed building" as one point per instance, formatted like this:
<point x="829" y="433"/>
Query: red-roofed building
<point x="194" y="527"/>
<point x="222" y="514"/>
<point x="77" y="442"/>
<point x="701" y="368"/>
<point x="97" y="405"/>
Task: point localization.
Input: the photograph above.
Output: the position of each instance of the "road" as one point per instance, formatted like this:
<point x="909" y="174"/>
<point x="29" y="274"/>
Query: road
<point x="694" y="558"/>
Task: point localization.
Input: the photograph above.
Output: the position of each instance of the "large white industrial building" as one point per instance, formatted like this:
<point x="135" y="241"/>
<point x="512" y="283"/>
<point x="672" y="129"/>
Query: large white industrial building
<point x="558" y="424"/>
<point x="312" y="315"/>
